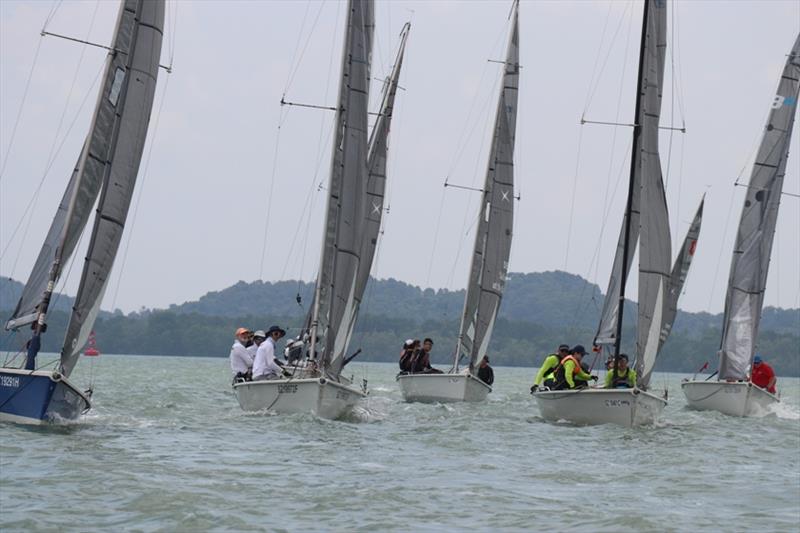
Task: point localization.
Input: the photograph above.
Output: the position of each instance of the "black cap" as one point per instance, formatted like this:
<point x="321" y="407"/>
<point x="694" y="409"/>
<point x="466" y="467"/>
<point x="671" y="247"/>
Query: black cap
<point x="427" y="339"/>
<point x="486" y="358"/>
<point x="623" y="356"/>
<point x="563" y="347"/>
<point x="578" y="348"/>
<point x="273" y="329"/>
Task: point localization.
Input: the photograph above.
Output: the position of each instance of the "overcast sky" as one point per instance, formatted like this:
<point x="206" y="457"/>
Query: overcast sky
<point x="203" y="190"/>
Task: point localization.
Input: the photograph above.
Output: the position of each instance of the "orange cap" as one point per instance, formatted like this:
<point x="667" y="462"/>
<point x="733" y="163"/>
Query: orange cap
<point x="242" y="331"/>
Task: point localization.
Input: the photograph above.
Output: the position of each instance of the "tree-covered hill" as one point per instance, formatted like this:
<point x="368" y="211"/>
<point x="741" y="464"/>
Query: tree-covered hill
<point x="539" y="311"/>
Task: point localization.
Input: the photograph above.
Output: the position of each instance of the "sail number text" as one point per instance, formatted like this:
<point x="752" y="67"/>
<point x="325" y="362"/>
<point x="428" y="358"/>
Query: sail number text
<point x="9" y="381"/>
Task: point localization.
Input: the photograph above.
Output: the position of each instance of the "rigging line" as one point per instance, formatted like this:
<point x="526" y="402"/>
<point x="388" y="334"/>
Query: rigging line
<point x="21" y="107"/>
<point x="572" y="196"/>
<point x="140" y="191"/>
<point x="41" y="182"/>
<point x="721" y="248"/>
<point x="293" y="73"/>
<point x="608" y="55"/>
<point x="435" y="239"/>
<point x="597" y="58"/>
<point x="271" y="199"/>
<point x="672" y="131"/>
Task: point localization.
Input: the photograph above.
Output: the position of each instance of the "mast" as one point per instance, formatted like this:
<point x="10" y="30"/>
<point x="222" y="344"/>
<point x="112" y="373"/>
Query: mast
<point x="626" y="244"/>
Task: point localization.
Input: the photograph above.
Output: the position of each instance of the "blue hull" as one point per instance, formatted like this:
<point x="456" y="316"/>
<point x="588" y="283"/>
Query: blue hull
<point x="38" y="397"/>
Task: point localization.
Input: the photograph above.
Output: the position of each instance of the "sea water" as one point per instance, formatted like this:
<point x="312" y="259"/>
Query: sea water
<point x="167" y="448"/>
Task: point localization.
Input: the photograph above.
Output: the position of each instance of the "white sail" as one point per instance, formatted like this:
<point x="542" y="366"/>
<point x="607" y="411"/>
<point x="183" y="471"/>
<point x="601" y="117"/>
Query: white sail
<point x="113" y="153"/>
<point x="493" y="235"/>
<point x="335" y="291"/>
<point x="751" y="253"/>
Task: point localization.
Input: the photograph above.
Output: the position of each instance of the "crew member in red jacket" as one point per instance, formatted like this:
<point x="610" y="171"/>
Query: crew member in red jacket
<point x="763" y="375"/>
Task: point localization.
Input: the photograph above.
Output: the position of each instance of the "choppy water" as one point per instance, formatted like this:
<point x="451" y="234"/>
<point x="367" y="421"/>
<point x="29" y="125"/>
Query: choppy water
<point x="167" y="448"/>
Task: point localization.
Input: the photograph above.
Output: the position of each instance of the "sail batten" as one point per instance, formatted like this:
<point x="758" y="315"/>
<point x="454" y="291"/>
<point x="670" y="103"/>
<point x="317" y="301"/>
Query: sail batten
<point x="492" y="248"/>
<point x="751" y="253"/>
<point x="112" y="156"/>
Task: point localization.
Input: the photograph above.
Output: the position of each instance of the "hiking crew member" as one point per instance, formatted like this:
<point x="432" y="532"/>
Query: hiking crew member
<point x="241" y="360"/>
<point x="763" y="376"/>
<point x="265" y="366"/>
<point x="547" y="370"/>
<point x="570" y="368"/>
<point x="485" y="372"/>
<point x="624" y="377"/>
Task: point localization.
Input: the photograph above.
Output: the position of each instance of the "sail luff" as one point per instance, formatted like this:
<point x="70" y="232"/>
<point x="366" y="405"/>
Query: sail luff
<point x="492" y="247"/>
<point x="376" y="182"/>
<point x="751" y="253"/>
<point x="655" y="249"/>
<point x="130" y="95"/>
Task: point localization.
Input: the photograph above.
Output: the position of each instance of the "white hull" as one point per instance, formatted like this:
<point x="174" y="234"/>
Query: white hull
<point x="735" y="399"/>
<point x="623" y="407"/>
<point x="446" y="388"/>
<point x="318" y="396"/>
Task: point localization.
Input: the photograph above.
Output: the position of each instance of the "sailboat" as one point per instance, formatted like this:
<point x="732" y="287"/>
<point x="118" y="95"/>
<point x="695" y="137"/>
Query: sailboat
<point x="487" y="276"/>
<point x="107" y="168"/>
<point x="354" y="211"/>
<point x="646" y="220"/>
<point x="732" y="393"/>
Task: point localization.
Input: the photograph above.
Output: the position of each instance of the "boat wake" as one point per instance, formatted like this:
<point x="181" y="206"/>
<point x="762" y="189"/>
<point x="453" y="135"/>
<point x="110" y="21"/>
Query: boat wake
<point x="784" y="411"/>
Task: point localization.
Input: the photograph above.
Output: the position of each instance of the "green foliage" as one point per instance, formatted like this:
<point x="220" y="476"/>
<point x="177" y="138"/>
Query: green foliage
<point x="539" y="312"/>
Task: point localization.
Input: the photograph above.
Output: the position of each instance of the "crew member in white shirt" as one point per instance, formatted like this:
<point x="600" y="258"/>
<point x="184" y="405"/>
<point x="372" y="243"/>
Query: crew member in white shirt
<point x="265" y="366"/>
<point x="241" y="360"/>
<point x="258" y="338"/>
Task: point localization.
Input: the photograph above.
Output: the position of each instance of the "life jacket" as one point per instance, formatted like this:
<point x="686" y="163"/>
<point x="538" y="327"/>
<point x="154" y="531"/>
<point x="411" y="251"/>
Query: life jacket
<point x="560" y="373"/>
<point x="624" y="380"/>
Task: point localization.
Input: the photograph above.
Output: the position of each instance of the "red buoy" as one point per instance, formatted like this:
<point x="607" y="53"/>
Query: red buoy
<point x="91" y="349"/>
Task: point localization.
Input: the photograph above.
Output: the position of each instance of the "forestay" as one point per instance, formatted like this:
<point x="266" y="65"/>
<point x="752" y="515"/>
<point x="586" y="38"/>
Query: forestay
<point x="751" y="252"/>
<point x="112" y="155"/>
<point x="344" y="221"/>
<point x="493" y="235"/>
<point x="655" y="251"/>
<point x="376" y="182"/>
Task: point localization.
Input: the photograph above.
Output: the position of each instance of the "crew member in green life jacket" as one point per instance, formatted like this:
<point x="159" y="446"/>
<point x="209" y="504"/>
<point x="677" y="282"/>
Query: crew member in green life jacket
<point x="570" y="369"/>
<point x="547" y="370"/>
<point x="624" y="377"/>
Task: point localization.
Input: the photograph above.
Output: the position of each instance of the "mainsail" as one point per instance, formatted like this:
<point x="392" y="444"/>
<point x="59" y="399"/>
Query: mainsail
<point x="124" y="110"/>
<point x="376" y="182"/>
<point x="751" y="253"/>
<point x="655" y="251"/>
<point x="336" y="282"/>
<point x="493" y="235"/>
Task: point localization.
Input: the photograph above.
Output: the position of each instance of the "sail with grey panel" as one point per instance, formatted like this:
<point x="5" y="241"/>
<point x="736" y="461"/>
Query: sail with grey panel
<point x="124" y="114"/>
<point x="751" y="252"/>
<point x="489" y="269"/>
<point x="655" y="250"/>
<point x="376" y="180"/>
<point x="336" y="281"/>
<point x="680" y="269"/>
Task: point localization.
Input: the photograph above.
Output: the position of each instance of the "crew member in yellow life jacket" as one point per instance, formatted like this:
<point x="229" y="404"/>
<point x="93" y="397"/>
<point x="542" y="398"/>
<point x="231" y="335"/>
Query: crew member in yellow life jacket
<point x="570" y="368"/>
<point x="624" y="377"/>
<point x="547" y="370"/>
